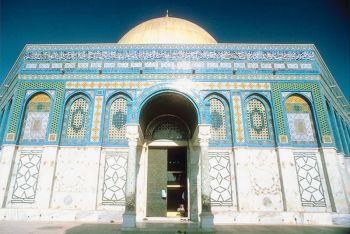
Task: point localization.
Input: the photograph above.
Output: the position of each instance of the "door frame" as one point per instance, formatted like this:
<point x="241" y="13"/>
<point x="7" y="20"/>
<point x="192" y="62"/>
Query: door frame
<point x="165" y="144"/>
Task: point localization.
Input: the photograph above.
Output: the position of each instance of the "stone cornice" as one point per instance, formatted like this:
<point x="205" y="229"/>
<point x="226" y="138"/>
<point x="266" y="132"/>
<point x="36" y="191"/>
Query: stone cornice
<point x="223" y="46"/>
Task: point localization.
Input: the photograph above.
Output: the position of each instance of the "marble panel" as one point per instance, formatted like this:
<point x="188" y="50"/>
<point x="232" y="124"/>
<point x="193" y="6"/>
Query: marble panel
<point x="76" y="178"/>
<point x="258" y="181"/>
<point x="309" y="179"/>
<point x="27" y="176"/>
<point x="220" y="173"/>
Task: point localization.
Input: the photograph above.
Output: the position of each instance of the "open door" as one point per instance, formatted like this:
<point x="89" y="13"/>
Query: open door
<point x="157" y="183"/>
<point x="167" y="182"/>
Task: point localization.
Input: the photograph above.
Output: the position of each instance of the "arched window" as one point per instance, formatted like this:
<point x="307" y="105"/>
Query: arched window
<point x="260" y="126"/>
<point x="300" y="122"/>
<point x="115" y="120"/>
<point x="76" y="119"/>
<point x="36" y="118"/>
<point x="167" y="127"/>
<point x="220" y="126"/>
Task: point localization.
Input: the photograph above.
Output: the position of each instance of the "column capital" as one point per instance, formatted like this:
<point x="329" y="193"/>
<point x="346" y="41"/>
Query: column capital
<point x="202" y="135"/>
<point x="133" y="134"/>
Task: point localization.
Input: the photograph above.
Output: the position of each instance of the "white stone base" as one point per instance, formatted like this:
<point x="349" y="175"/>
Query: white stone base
<point x="280" y="218"/>
<point x="116" y="216"/>
<point x="105" y="216"/>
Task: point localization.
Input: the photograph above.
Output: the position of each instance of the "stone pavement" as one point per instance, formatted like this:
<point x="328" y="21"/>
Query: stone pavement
<point x="36" y="227"/>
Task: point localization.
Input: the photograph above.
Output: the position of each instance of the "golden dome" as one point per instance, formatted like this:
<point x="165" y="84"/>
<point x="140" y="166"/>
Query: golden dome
<point x="167" y="30"/>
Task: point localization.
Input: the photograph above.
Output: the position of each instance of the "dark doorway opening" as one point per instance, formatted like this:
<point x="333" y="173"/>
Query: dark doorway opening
<point x="177" y="182"/>
<point x="167" y="182"/>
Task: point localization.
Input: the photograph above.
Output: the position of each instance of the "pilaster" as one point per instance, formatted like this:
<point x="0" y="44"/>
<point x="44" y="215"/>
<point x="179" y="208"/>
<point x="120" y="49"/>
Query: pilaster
<point x="46" y="176"/>
<point x="134" y="135"/>
<point x="202" y="137"/>
<point x="8" y="156"/>
<point x="334" y="164"/>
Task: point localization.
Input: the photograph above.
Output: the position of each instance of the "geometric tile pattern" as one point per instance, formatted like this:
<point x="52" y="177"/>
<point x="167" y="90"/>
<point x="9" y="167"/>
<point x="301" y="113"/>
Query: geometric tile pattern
<point x="118" y="113"/>
<point x="107" y="85"/>
<point x="309" y="180"/>
<point x="233" y="85"/>
<point x="26" y="177"/>
<point x="167" y="127"/>
<point x="300" y="128"/>
<point x="95" y="130"/>
<point x="220" y="173"/>
<point x="218" y="119"/>
<point x="114" y="180"/>
<point x="237" y="113"/>
<point x="35" y="126"/>
<point x="170" y="130"/>
<point x="76" y="119"/>
<point x="146" y="84"/>
<point x="36" y="118"/>
<point x="18" y="104"/>
<point x="257" y="120"/>
<point x="296" y="87"/>
<point x="300" y="120"/>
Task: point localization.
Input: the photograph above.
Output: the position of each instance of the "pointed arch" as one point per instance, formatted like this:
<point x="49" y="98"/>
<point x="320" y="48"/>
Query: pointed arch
<point x="36" y="118"/>
<point x="259" y="120"/>
<point x="76" y="119"/>
<point x="219" y="118"/>
<point x="300" y="120"/>
<point x="117" y="109"/>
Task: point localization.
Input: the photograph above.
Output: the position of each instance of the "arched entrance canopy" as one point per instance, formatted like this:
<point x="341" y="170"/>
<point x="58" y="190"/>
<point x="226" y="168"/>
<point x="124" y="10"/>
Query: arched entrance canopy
<point x="172" y="104"/>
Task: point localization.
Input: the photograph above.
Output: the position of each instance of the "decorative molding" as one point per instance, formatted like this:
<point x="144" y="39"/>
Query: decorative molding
<point x="108" y="85"/>
<point x="160" y="53"/>
<point x="146" y="84"/>
<point x="167" y="76"/>
<point x="223" y="46"/>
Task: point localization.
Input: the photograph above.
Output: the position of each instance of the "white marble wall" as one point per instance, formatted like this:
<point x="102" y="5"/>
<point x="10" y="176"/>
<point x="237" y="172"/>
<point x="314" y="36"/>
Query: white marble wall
<point x="27" y="174"/>
<point x="7" y="157"/>
<point x="70" y="185"/>
<point x="342" y="174"/>
<point x="224" y="184"/>
<point x="258" y="180"/>
<point x="293" y="190"/>
<point x="76" y="178"/>
<point x="100" y="205"/>
<point x="141" y="183"/>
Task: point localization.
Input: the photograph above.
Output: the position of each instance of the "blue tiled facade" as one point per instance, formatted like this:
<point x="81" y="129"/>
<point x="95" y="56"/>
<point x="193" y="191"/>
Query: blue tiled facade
<point x="268" y="72"/>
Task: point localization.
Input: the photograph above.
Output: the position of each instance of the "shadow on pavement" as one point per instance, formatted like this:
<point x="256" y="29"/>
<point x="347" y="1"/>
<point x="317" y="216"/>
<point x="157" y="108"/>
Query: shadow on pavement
<point x="219" y="229"/>
<point x="88" y="228"/>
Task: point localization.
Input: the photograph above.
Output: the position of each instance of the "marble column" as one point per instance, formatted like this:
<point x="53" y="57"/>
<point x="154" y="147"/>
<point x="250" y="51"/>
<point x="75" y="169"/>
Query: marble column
<point x="206" y="216"/>
<point x="133" y="134"/>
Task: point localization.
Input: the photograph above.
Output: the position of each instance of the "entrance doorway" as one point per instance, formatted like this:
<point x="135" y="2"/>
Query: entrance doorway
<point x="168" y="121"/>
<point x="167" y="189"/>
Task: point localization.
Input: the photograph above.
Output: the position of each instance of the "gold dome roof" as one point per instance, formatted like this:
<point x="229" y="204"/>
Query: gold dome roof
<point x="167" y="30"/>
